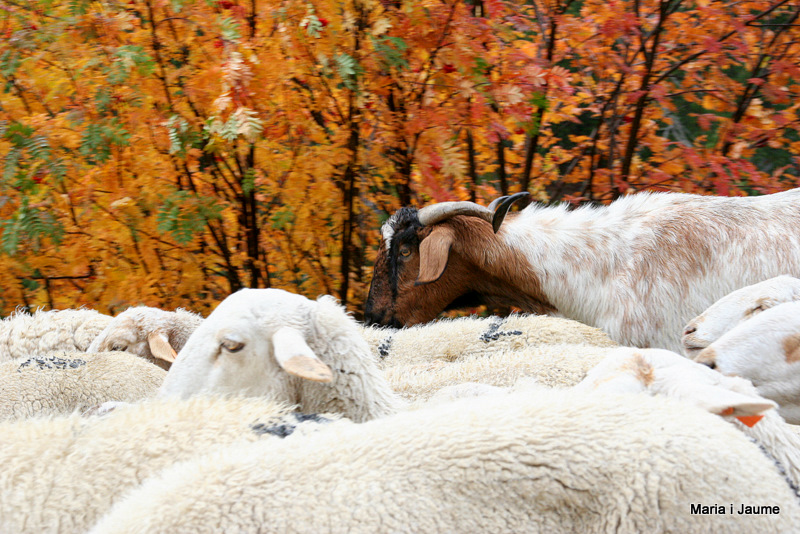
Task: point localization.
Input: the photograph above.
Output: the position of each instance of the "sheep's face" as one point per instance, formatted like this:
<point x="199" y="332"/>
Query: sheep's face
<point x="253" y="344"/>
<point x="140" y="331"/>
<point x="736" y="307"/>
<point x="764" y="349"/>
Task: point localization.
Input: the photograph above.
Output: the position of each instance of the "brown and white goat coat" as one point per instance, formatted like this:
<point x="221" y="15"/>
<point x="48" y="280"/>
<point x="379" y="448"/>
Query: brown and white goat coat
<point x="639" y="268"/>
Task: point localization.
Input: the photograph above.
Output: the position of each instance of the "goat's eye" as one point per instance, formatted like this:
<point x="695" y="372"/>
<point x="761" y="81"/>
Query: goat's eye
<point x="405" y="251"/>
<point x="232" y="346"/>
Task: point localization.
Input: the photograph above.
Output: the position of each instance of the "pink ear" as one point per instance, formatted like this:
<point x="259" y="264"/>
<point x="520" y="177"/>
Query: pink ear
<point x="433" y="254"/>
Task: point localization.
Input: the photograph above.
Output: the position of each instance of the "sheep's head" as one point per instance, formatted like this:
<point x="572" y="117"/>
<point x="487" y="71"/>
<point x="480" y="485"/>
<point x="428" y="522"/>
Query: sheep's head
<point x="143" y="331"/>
<point x="662" y="372"/>
<point x="764" y="349"/>
<point x="269" y="342"/>
<point x="427" y="263"/>
<point x="736" y="307"/>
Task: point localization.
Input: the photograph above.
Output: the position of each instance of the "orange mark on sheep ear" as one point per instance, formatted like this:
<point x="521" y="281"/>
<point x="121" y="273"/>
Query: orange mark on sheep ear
<point x="433" y="254"/>
<point x="791" y="348"/>
<point x="750" y="420"/>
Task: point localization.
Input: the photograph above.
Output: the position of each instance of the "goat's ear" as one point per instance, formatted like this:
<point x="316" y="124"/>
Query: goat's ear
<point x="160" y="347"/>
<point x="434" y="251"/>
<point x="296" y="357"/>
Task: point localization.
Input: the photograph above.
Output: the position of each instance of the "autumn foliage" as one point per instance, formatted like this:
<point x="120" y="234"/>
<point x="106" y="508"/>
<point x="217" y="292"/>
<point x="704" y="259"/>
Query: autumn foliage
<point x="171" y="152"/>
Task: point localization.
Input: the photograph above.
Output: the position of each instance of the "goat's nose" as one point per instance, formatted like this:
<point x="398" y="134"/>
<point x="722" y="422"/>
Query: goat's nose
<point x="690" y="329"/>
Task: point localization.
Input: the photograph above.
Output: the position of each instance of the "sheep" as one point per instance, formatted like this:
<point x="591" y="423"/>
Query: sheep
<point x="638" y="269"/>
<point x="151" y="333"/>
<point x="661" y="372"/>
<point x="552" y="366"/>
<point x="272" y="342"/>
<point x="766" y="351"/>
<point x="25" y="335"/>
<point x="61" y="474"/>
<point x="60" y="383"/>
<point x="532" y="461"/>
<point x="451" y="339"/>
<point x="736" y="307"/>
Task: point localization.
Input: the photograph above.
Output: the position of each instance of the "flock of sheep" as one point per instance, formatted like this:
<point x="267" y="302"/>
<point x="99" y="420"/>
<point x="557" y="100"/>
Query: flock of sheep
<point x="277" y="413"/>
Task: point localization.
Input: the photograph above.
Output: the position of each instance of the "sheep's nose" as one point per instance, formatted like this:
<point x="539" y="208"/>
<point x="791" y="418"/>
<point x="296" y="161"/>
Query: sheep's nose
<point x="691" y="329"/>
<point x="710" y="364"/>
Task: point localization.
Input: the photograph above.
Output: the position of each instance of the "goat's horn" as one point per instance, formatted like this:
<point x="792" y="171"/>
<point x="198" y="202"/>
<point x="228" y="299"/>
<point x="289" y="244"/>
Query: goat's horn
<point x="501" y="207"/>
<point x="495" y="202"/>
<point x="444" y="210"/>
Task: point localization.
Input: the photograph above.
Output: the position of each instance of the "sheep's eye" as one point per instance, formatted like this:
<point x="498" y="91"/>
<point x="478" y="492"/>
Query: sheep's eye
<point x="119" y="347"/>
<point x="232" y="346"/>
<point x="757" y="309"/>
<point x="405" y="250"/>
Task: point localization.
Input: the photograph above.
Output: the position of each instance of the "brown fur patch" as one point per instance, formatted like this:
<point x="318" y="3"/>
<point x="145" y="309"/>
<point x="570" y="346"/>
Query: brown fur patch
<point x="791" y="348"/>
<point x="640" y="369"/>
<point x="707" y="356"/>
<point x="761" y="304"/>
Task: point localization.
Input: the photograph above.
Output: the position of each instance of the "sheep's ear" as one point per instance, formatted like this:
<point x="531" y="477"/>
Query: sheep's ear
<point x="433" y="254"/>
<point x="725" y="402"/>
<point x="296" y="357"/>
<point x="160" y="347"/>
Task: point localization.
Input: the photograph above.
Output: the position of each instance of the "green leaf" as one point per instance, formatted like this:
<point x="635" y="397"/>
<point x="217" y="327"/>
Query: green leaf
<point x="184" y="214"/>
<point x="281" y="218"/>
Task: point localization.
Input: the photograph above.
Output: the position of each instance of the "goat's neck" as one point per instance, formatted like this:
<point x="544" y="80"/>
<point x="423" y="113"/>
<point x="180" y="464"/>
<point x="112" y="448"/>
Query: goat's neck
<point x="573" y="256"/>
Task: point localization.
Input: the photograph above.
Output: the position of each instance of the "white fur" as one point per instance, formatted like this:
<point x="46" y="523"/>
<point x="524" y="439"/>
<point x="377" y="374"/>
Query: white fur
<point x="558" y="462"/>
<point x="129" y="331"/>
<point x="247" y="322"/>
<point x="63" y="382"/>
<point x="665" y="373"/>
<point x="452" y="339"/>
<point x="59" y="475"/>
<point x="761" y="350"/>
<point x="23" y="335"/>
<point x="736" y="307"/>
<point x="615" y="267"/>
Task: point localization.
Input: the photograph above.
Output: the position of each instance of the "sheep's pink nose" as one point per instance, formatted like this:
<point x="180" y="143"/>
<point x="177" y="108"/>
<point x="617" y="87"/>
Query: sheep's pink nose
<point x="690" y="330"/>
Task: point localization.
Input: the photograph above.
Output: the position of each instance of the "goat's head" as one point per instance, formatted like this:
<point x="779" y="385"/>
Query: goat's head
<point x="426" y="261"/>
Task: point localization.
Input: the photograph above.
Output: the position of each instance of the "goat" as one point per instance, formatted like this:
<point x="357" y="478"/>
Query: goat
<point x="639" y="268"/>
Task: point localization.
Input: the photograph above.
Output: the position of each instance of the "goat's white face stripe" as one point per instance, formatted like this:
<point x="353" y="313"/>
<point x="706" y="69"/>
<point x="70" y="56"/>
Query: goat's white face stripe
<point x="387" y="230"/>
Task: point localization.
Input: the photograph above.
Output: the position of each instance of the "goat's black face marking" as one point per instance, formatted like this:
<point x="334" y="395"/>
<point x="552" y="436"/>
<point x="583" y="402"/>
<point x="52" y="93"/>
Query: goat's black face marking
<point x="405" y="225"/>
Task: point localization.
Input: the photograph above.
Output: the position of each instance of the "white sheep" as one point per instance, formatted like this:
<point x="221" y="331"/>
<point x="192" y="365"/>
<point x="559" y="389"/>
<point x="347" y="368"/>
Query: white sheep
<point x="149" y="332"/>
<point x="736" y="307"/>
<point x="61" y="474"/>
<point x="275" y="343"/>
<point x="60" y="383"/>
<point x="638" y="269"/>
<point x="561" y="365"/>
<point x="661" y="372"/>
<point x="23" y="335"/>
<point x="453" y="339"/>
<point x="766" y="351"/>
<point x="552" y="461"/>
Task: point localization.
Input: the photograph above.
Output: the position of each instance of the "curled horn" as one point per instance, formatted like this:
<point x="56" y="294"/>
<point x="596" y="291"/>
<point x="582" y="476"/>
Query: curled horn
<point x="501" y="206"/>
<point x="444" y="210"/>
